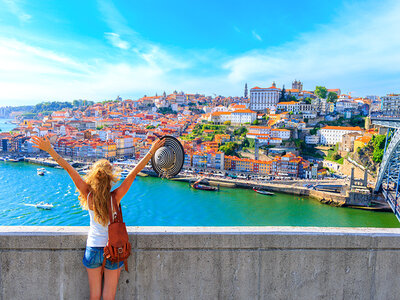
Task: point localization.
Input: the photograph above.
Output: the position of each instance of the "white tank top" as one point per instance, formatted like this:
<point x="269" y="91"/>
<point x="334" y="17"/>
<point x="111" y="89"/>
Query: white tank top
<point x="98" y="234"/>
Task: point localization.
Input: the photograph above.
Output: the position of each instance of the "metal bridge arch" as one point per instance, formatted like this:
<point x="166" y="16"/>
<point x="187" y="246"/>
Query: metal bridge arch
<point x="389" y="172"/>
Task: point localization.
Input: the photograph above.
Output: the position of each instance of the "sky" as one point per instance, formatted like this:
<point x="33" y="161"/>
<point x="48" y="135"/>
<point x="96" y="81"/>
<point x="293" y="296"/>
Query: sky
<point x="99" y="49"/>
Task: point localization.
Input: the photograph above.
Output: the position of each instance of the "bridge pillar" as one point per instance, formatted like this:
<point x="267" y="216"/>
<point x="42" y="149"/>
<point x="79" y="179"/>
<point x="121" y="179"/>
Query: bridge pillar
<point x="382" y="130"/>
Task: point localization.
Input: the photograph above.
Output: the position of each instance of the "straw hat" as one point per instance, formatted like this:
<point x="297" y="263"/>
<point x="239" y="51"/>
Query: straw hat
<point x="168" y="159"/>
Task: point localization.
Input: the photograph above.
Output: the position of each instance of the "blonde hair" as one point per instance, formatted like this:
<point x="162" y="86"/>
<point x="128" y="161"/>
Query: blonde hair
<point x="101" y="177"/>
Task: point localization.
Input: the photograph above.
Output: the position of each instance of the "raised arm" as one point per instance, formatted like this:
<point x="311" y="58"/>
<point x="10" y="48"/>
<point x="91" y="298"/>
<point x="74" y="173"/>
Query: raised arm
<point x="120" y="192"/>
<point x="44" y="144"/>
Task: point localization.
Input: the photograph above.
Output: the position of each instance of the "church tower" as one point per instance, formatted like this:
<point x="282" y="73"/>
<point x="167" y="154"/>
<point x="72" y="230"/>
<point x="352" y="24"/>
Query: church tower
<point x="297" y="85"/>
<point x="245" y="90"/>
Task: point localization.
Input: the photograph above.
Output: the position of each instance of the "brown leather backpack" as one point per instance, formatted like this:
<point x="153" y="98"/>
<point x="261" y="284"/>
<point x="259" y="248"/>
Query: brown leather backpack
<point x="118" y="247"/>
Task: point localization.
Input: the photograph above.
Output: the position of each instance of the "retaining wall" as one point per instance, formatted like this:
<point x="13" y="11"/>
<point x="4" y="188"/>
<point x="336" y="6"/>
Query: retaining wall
<point x="209" y="263"/>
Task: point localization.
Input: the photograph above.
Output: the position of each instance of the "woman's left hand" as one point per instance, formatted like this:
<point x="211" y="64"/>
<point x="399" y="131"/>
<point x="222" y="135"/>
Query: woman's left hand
<point x="157" y="144"/>
<point x="41" y="143"/>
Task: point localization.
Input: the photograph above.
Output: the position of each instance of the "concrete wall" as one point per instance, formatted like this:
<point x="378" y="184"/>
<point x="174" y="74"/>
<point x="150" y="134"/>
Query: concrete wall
<point x="209" y="263"/>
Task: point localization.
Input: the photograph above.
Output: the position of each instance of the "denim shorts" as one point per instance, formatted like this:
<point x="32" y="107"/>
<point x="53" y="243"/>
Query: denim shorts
<point x="93" y="258"/>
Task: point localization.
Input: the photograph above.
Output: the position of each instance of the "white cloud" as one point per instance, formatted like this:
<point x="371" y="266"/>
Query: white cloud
<point x="355" y="54"/>
<point x="116" y="40"/>
<point x="352" y="53"/>
<point x="14" y="6"/>
<point x="256" y="35"/>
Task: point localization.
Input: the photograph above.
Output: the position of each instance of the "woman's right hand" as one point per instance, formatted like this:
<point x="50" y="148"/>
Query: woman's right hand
<point x="156" y="144"/>
<point x="41" y="143"/>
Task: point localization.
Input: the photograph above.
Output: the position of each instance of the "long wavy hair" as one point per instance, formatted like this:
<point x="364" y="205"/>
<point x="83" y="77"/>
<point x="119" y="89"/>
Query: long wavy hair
<point x="101" y="177"/>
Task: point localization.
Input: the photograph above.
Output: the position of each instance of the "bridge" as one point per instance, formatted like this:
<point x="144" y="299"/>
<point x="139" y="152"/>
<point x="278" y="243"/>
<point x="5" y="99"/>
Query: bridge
<point x="388" y="180"/>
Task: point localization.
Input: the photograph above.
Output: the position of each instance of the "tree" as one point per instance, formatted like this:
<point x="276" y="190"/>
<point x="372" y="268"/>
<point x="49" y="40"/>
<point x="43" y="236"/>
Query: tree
<point x="282" y="96"/>
<point x="314" y="130"/>
<point x="227" y="123"/>
<point x="245" y="143"/>
<point x="307" y="100"/>
<point x="229" y="148"/>
<point x="332" y="97"/>
<point x="321" y="91"/>
<point x="255" y="122"/>
<point x="336" y="156"/>
<point x="150" y="127"/>
<point x="291" y="98"/>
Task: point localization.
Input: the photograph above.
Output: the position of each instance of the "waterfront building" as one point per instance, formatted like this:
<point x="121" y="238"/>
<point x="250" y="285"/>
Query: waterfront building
<point x="262" y="99"/>
<point x="288" y="165"/>
<point x="331" y="135"/>
<point x="391" y="104"/>
<point x="124" y="145"/>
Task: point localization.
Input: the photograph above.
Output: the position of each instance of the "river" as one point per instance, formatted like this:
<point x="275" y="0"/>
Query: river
<point x="160" y="202"/>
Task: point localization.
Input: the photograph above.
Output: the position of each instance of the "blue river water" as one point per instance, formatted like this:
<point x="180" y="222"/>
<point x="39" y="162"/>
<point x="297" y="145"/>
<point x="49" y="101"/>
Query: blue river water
<point x="160" y="202"/>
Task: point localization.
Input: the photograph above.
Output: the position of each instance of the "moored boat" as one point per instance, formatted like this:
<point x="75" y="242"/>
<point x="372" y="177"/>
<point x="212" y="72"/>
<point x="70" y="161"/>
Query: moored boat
<point x="204" y="187"/>
<point x="262" y="192"/>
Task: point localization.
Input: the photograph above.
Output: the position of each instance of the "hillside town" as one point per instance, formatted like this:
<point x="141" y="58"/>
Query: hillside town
<point x="269" y="132"/>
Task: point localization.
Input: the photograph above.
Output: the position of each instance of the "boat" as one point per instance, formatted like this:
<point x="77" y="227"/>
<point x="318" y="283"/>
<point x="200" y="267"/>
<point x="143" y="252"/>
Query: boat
<point x="203" y="187"/>
<point x="15" y="159"/>
<point x="262" y="192"/>
<point x="124" y="173"/>
<point x="43" y="205"/>
<point x="41" y="171"/>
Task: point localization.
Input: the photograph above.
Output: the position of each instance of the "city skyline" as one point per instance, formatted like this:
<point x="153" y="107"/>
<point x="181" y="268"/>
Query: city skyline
<point x="99" y="49"/>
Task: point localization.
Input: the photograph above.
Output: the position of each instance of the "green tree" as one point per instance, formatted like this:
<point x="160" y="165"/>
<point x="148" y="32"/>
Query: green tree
<point x="332" y="97"/>
<point x="229" y="148"/>
<point x="314" y="130"/>
<point x="227" y="123"/>
<point x="282" y="96"/>
<point x="245" y="143"/>
<point x="336" y="156"/>
<point x="321" y="91"/>
<point x="150" y="127"/>
<point x="307" y="100"/>
<point x="255" y="122"/>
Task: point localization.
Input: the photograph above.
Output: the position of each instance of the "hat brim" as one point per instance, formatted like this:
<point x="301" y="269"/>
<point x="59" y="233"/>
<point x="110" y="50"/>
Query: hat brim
<point x="179" y="158"/>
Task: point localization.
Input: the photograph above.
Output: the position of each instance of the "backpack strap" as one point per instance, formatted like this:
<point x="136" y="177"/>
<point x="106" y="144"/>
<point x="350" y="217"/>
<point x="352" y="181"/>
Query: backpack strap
<point x="110" y="214"/>
<point x="117" y="210"/>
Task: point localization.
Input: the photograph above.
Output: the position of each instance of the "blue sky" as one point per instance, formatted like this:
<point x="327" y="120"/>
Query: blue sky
<point x="65" y="50"/>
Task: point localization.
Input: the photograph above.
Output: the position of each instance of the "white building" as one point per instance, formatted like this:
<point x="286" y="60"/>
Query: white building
<point x="242" y="116"/>
<point x="331" y="135"/>
<point x="291" y="106"/>
<point x="264" y="98"/>
<point x="391" y="104"/>
<point x="219" y="117"/>
<point x="283" y="134"/>
<point x="343" y="105"/>
<point x="312" y="139"/>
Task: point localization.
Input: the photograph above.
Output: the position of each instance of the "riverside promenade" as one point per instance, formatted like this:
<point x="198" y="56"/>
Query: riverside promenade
<point x="209" y="263"/>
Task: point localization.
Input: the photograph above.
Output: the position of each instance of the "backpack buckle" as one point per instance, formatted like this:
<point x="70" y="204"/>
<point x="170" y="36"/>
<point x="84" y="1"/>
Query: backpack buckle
<point x="120" y="250"/>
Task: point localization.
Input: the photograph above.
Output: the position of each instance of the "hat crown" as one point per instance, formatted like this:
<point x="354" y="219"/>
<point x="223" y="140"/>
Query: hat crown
<point x="168" y="160"/>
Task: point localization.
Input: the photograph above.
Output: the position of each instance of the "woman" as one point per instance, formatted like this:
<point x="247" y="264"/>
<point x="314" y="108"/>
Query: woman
<point x="94" y="192"/>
